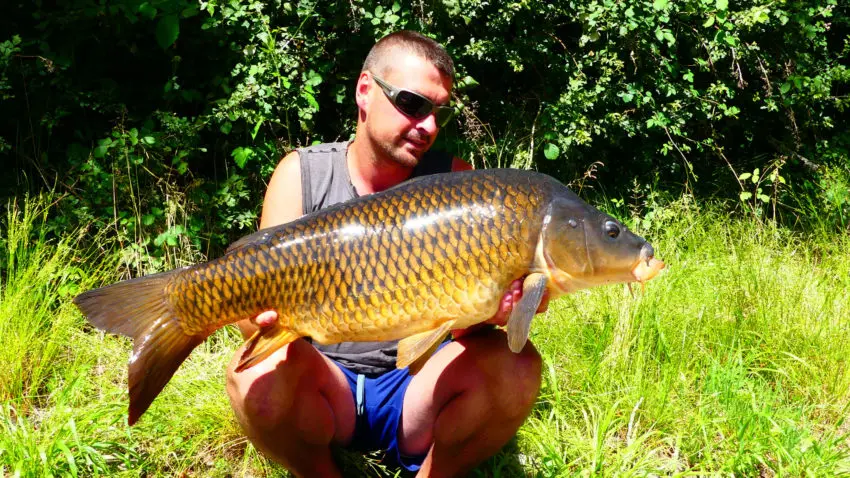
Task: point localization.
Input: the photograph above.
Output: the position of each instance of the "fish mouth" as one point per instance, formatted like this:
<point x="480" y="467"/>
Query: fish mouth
<point x="648" y="266"/>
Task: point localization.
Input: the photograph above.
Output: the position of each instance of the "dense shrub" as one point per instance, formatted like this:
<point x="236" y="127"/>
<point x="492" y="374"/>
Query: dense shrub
<point x="161" y="119"/>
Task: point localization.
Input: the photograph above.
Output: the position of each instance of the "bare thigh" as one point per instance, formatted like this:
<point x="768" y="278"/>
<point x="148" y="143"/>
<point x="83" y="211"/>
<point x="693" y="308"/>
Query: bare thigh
<point x="295" y="395"/>
<point x="467" y="387"/>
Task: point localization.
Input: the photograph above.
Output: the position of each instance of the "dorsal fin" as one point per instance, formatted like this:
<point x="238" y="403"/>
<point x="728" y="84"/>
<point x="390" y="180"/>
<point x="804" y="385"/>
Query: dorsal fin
<point x="260" y="236"/>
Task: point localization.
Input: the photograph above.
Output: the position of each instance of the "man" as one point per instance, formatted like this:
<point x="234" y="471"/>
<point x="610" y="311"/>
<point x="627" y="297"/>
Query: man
<point x="471" y="396"/>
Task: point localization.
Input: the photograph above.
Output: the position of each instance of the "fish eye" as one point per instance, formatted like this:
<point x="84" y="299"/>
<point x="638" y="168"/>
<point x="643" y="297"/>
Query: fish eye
<point x="612" y="230"/>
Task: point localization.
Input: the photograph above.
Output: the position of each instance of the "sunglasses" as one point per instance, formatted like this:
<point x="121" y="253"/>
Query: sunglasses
<point x="414" y="105"/>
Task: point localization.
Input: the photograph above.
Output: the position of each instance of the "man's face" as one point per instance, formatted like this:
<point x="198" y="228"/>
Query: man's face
<point x="399" y="137"/>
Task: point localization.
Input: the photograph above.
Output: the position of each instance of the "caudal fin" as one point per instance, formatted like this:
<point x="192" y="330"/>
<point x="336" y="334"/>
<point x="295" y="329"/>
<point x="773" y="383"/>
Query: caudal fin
<point x="138" y="308"/>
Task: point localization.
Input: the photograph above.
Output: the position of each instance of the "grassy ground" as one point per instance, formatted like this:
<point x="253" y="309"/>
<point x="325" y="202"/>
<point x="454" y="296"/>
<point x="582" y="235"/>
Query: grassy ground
<point x="731" y="362"/>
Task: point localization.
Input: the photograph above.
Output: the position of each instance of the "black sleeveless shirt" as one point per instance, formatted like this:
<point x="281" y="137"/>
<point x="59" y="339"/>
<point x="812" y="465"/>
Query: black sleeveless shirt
<point x="324" y="182"/>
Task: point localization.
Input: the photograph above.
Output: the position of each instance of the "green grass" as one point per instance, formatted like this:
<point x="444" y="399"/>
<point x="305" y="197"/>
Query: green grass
<point x="733" y="361"/>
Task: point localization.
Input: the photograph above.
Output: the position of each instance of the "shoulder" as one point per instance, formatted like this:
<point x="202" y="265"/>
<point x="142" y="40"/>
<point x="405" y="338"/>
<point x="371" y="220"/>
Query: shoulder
<point x="288" y="169"/>
<point x="289" y="165"/>
<point x="283" y="201"/>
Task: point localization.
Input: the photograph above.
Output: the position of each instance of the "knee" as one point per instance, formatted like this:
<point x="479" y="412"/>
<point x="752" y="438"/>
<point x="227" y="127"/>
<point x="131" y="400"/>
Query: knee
<point x="257" y="396"/>
<point x="288" y="391"/>
<point x="511" y="380"/>
<point x="268" y="393"/>
<point x="519" y="381"/>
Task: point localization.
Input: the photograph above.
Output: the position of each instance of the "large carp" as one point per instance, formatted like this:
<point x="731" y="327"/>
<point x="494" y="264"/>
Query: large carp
<point x="414" y="262"/>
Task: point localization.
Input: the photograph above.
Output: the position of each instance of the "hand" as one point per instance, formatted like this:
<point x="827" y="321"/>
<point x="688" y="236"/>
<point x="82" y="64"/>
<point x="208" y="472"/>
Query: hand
<point x="506" y="306"/>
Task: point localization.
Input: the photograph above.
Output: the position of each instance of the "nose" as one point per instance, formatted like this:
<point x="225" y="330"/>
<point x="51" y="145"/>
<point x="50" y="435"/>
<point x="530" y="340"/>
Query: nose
<point x="429" y="124"/>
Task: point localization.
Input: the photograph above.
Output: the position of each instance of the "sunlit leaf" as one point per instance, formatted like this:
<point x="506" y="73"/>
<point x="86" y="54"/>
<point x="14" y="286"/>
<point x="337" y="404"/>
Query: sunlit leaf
<point x="551" y="151"/>
<point x="310" y="99"/>
<point x="241" y="155"/>
<point x="467" y="82"/>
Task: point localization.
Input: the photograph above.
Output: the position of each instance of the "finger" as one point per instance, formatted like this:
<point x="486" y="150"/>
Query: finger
<point x="516" y="286"/>
<point x="266" y="318"/>
<point x="512" y="296"/>
<point x="505" y="307"/>
<point x="508" y="301"/>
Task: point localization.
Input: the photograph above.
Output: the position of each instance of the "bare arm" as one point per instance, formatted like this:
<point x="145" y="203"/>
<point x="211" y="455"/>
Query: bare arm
<point x="283" y="202"/>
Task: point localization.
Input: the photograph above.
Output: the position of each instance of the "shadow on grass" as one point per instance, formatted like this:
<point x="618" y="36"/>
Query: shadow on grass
<point x="506" y="463"/>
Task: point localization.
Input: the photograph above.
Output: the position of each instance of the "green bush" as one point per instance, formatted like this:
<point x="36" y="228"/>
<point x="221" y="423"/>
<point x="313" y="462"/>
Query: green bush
<point x="135" y="108"/>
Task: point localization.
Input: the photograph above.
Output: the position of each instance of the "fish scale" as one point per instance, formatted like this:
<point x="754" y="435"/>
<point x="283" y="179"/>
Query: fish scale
<point x="409" y="263"/>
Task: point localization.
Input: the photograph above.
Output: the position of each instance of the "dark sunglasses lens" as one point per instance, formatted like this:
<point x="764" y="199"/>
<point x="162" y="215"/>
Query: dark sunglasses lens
<point x="443" y="115"/>
<point x="412" y="104"/>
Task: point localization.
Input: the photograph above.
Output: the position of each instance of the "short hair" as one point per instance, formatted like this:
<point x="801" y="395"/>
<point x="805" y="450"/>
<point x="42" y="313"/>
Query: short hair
<point x="377" y="61"/>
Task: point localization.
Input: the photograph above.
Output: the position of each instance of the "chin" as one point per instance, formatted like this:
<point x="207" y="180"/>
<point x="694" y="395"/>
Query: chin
<point x="406" y="158"/>
<point x="409" y="161"/>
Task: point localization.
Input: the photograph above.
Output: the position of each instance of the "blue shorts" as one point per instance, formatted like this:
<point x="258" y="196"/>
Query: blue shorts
<point x="378" y="402"/>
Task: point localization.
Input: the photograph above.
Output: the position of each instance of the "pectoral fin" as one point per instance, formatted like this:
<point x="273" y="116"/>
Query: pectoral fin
<point x="519" y="323"/>
<point x="415" y="350"/>
<point x="263" y="343"/>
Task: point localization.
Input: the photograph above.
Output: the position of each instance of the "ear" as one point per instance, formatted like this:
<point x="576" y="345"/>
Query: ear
<point x="361" y="93"/>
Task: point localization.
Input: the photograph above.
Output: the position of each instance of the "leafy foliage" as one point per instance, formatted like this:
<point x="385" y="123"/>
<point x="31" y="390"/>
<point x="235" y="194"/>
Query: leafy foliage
<point x="136" y="108"/>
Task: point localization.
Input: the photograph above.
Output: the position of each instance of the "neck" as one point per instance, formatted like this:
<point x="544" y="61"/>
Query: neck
<point x="369" y="171"/>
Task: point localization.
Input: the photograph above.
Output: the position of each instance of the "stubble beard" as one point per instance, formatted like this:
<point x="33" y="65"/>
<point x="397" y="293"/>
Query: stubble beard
<point x="398" y="154"/>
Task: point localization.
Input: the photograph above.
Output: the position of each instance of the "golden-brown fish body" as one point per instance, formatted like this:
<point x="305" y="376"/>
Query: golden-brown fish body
<point x="413" y="262"/>
<point x="380" y="268"/>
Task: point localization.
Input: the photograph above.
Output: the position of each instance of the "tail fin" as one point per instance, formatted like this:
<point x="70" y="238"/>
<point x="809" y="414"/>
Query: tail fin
<point x="138" y="308"/>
